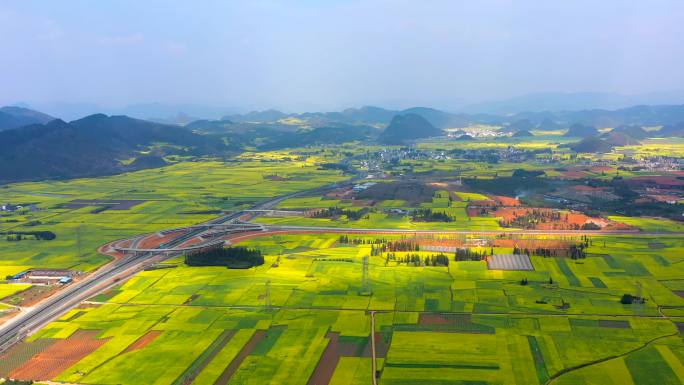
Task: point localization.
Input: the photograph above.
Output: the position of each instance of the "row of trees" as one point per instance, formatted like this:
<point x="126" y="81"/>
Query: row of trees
<point x="416" y="260"/>
<point x="573" y="251"/>
<point x="471" y="255"/>
<point x="360" y="241"/>
<point x="37" y="235"/>
<point x="332" y="212"/>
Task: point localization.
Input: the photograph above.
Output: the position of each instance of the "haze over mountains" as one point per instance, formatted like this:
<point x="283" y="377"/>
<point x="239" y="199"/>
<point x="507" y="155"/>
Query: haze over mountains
<point x="573" y="101"/>
<point x="94" y="145"/>
<point x="34" y="145"/>
<point x="534" y="102"/>
<point x="14" y="117"/>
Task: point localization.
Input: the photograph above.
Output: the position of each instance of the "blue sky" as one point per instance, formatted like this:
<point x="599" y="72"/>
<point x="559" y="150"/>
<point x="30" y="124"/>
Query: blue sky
<point x="324" y="55"/>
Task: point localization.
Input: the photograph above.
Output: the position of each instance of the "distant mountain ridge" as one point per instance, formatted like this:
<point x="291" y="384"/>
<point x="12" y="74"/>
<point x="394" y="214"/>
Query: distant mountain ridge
<point x="642" y="115"/>
<point x="572" y="101"/>
<point x="14" y="117"/>
<point x="545" y="120"/>
<point x="92" y="146"/>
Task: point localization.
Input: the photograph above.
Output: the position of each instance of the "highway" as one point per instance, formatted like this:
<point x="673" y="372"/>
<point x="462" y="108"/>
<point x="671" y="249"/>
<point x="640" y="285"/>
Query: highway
<point x="32" y="319"/>
<point x="70" y="296"/>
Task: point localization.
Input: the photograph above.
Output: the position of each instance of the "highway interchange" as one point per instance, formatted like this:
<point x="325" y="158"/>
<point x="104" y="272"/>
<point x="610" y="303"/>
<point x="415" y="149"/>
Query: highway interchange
<point x="136" y="259"/>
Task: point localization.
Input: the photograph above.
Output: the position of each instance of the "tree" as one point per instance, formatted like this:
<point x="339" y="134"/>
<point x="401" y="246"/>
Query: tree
<point x="627" y="299"/>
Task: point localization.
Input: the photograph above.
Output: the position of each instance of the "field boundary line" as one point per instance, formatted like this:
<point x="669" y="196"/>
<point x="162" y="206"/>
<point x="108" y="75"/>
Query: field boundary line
<point x="374" y="365"/>
<point x="565" y="371"/>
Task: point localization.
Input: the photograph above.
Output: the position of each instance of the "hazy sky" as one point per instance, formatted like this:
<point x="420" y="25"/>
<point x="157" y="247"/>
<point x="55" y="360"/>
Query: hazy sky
<point x="306" y="55"/>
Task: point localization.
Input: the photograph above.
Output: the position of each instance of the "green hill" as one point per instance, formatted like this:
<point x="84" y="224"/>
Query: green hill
<point x="407" y="127"/>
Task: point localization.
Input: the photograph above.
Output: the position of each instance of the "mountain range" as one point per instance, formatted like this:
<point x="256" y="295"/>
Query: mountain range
<point x="92" y="146"/>
<point x="644" y="115"/>
<point x="34" y="146"/>
<point x="533" y="102"/>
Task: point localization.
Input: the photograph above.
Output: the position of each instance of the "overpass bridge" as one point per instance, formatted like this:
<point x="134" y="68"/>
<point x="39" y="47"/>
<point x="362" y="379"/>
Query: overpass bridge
<point x="171" y="250"/>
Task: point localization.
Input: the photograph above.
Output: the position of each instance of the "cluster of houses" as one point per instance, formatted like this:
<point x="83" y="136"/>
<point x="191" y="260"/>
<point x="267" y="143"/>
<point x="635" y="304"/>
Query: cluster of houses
<point x="660" y="163"/>
<point x="476" y="132"/>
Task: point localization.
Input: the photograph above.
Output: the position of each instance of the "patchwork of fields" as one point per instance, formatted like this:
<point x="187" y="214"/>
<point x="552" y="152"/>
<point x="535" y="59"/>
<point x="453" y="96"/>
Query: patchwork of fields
<point x="302" y="316"/>
<point x="444" y="313"/>
<point x="174" y="196"/>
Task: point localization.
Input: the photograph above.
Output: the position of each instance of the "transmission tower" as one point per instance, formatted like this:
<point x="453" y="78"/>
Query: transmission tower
<point x="365" y="283"/>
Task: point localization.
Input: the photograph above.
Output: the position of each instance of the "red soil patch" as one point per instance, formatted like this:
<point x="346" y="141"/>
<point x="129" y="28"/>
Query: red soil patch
<point x="531" y="244"/>
<point x="656" y="180"/>
<point x="154" y="240"/>
<point x="60" y="356"/>
<point x="143" y="341"/>
<point x="474" y="211"/>
<point x="34" y="295"/>
<point x="506" y="201"/>
<point x="190" y="242"/>
<point x="549" y="219"/>
<point x="432" y="319"/>
<point x="664" y="198"/>
<point x="246" y="350"/>
<point x="340" y="193"/>
<point x="327" y="363"/>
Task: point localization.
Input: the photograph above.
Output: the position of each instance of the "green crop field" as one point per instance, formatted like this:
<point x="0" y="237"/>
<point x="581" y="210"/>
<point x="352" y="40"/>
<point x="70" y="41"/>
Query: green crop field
<point x="435" y="325"/>
<point x="173" y="196"/>
<point x="305" y="315"/>
<point x="267" y="193"/>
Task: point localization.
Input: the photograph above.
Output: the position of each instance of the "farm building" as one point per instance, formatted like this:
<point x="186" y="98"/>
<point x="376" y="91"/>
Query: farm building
<point x="509" y="262"/>
<point x="46" y="276"/>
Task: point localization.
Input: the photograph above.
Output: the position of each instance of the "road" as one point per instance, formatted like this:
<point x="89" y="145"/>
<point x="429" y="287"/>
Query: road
<point x="121" y="269"/>
<point x="30" y="320"/>
<point x="476" y="232"/>
<point x="374" y="365"/>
